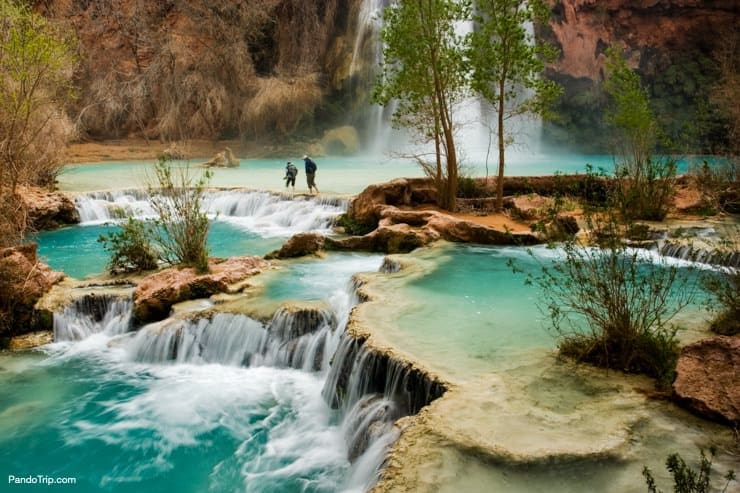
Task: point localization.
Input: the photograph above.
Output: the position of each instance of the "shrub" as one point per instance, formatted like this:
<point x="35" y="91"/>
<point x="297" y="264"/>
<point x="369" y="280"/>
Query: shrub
<point x="686" y="479"/>
<point x="131" y="248"/>
<point x="719" y="184"/>
<point x="182" y="225"/>
<point x="353" y="227"/>
<point x="724" y="290"/>
<point x="645" y="184"/>
<point x="611" y="307"/>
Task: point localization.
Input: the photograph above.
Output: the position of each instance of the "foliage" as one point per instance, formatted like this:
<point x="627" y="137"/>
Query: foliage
<point x="182" y="226"/>
<point x="506" y="62"/>
<point x="37" y="61"/>
<point x="724" y="289"/>
<point x="424" y="70"/>
<point x="131" y="248"/>
<point x="686" y="479"/>
<point x="726" y="93"/>
<point x="719" y="184"/>
<point x="470" y="188"/>
<point x="611" y="307"/>
<point x="646" y="183"/>
<point x="13" y="218"/>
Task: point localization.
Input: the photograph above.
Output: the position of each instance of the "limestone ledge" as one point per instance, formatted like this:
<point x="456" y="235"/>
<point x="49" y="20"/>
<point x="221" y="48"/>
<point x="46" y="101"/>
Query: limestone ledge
<point x="546" y="412"/>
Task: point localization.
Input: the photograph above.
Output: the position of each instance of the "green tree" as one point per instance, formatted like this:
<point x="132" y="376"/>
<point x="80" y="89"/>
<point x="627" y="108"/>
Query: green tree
<point x="646" y="183"/>
<point x="424" y="70"/>
<point x="37" y="62"/>
<point x="508" y="67"/>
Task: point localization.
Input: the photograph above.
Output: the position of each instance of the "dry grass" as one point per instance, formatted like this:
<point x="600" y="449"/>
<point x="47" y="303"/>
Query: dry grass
<point x="280" y="104"/>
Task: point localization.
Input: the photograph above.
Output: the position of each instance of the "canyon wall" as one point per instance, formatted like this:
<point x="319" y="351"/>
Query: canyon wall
<point x="177" y="69"/>
<point x="281" y="69"/>
<point x="673" y="44"/>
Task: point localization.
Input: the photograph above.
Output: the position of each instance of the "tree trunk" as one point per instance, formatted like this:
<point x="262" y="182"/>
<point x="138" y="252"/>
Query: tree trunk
<point x="500" y="181"/>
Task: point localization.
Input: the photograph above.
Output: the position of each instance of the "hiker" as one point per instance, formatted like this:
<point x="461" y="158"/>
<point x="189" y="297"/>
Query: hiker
<point x="310" y="173"/>
<point x="290" y="173"/>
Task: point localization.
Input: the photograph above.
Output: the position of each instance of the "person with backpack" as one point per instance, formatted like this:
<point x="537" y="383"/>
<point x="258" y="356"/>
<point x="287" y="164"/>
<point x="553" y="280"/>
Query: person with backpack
<point x="310" y="173"/>
<point x="290" y="173"/>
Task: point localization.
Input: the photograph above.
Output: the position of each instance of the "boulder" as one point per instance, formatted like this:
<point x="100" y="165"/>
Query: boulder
<point x="707" y="380"/>
<point x="299" y="245"/>
<point x="23" y="280"/>
<point x="530" y="206"/>
<point x="366" y="208"/>
<point x="156" y="293"/>
<point x="31" y="340"/>
<point x="223" y="159"/>
<point x="48" y="210"/>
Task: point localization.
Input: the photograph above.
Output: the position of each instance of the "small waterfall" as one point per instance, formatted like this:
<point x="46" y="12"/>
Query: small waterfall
<point x="93" y="314"/>
<point x="100" y="207"/>
<point x="684" y="251"/>
<point x="295" y="338"/>
<point x="262" y="212"/>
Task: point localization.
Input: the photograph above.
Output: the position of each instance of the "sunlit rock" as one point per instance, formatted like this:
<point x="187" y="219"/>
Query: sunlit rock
<point x="156" y="293"/>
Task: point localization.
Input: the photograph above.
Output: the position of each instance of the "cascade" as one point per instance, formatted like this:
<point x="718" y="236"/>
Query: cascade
<point x="93" y="314"/>
<point x="263" y="212"/>
<point x="692" y="253"/>
<point x="370" y="389"/>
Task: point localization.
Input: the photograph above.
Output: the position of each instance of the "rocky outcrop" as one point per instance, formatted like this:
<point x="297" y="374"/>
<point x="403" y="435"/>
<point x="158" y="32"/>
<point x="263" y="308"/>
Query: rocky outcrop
<point x="299" y="245"/>
<point x="672" y="44"/>
<point x="366" y="208"/>
<point x="23" y="281"/>
<point x="707" y="379"/>
<point x="223" y="159"/>
<point x="48" y="210"/>
<point x="155" y="294"/>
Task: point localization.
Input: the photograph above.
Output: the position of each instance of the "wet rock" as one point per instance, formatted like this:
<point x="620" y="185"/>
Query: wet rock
<point x="48" y="210"/>
<point x="30" y="340"/>
<point x="23" y="281"/>
<point x="707" y="379"/>
<point x="155" y="295"/>
<point x="299" y="245"/>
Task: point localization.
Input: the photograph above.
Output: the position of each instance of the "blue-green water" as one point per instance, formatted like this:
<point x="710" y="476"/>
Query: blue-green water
<point x="469" y="309"/>
<point x="76" y="251"/>
<point x="120" y="426"/>
<point x="337" y="175"/>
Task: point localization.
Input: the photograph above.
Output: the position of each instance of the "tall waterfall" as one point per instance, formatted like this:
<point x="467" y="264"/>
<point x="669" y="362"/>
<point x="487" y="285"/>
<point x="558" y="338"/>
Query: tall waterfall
<point x="475" y="119"/>
<point x="262" y="212"/>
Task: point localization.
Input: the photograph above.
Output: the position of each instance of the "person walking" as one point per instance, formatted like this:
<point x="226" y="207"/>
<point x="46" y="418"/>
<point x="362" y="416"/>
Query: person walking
<point x="310" y="174"/>
<point x="290" y="173"/>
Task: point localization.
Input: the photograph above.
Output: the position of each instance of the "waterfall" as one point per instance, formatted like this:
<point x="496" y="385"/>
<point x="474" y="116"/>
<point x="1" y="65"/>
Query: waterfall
<point x="474" y="117"/>
<point x="370" y="389"/>
<point x="93" y="314"/>
<point x="294" y="338"/>
<point x="684" y="251"/>
<point x="262" y="212"/>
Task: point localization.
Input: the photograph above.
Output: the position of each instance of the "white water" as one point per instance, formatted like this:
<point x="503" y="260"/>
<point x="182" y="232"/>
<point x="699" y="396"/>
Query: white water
<point x="261" y="212"/>
<point x="82" y="319"/>
<point x="202" y="372"/>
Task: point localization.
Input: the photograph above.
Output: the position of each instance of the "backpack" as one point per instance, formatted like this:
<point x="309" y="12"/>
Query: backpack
<point x="292" y="171"/>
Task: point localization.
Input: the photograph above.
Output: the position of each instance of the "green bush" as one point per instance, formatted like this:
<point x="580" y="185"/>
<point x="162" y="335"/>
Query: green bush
<point x="610" y="306"/>
<point x="354" y="228"/>
<point x="686" y="479"/>
<point x="131" y="248"/>
<point x="182" y="225"/>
